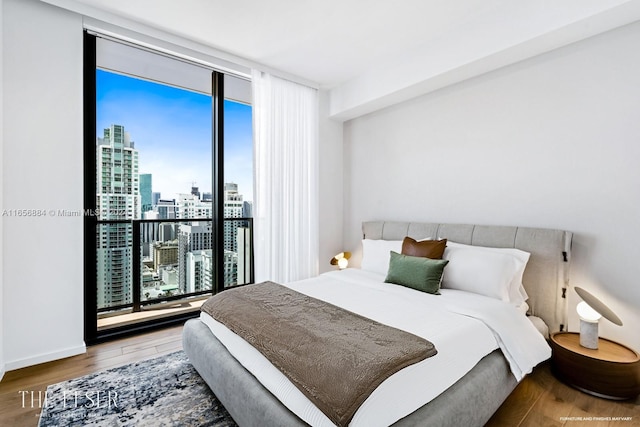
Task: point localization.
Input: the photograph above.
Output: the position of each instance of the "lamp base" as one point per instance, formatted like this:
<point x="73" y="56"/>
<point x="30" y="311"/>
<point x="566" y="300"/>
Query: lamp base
<point x="589" y="334"/>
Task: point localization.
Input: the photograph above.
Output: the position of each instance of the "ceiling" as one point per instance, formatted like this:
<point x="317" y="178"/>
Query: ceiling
<point x="350" y="46"/>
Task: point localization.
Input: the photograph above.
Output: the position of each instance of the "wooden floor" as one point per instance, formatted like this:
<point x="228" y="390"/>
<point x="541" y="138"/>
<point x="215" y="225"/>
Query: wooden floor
<point x="539" y="400"/>
<point x="97" y="358"/>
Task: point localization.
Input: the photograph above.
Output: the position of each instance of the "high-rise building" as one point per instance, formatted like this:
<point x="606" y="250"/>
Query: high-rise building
<point x="165" y="253"/>
<point x="233" y="208"/>
<point x="199" y="270"/>
<point x="148" y="233"/>
<point x="118" y="197"/>
<point x="167" y="231"/>
<point x="191" y="238"/>
<point x="166" y="209"/>
<point x="247" y="209"/>
<point x="230" y="266"/>
<point x="146" y="199"/>
<point x="189" y="206"/>
<point x="150" y="215"/>
<point x="243" y="269"/>
<point x="195" y="240"/>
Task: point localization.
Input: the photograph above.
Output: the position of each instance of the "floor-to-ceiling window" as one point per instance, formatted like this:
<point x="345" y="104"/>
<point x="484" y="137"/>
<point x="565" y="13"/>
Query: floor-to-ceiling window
<point x="238" y="191"/>
<point x="168" y="186"/>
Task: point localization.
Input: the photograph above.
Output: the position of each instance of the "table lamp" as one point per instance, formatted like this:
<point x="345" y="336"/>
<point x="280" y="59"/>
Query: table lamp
<point x="590" y="310"/>
<point x="341" y="260"/>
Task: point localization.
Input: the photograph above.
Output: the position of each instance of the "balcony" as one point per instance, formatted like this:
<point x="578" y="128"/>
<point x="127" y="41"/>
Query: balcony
<point x="172" y="268"/>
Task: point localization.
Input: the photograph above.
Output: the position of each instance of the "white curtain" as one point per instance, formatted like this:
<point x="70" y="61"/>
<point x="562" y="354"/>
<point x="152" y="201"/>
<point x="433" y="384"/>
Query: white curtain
<point x="285" y="126"/>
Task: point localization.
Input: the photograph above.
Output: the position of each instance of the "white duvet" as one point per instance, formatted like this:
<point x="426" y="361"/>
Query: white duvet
<point x="464" y="327"/>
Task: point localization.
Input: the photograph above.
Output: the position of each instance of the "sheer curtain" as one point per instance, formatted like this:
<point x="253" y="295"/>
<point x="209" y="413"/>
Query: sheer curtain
<point x="285" y="126"/>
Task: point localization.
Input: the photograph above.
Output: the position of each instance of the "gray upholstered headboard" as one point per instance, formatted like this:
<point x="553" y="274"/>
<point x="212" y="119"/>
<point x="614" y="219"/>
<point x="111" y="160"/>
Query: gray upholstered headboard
<point x="546" y="276"/>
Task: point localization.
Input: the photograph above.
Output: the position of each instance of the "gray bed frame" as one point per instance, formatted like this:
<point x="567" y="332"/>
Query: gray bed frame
<point x="474" y="398"/>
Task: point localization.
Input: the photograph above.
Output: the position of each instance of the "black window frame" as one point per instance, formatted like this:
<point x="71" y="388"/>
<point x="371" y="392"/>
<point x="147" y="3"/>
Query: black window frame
<point x="91" y="333"/>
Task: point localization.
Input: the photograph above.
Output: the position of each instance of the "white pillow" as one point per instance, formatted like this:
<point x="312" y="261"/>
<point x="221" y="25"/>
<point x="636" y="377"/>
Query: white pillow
<point x="517" y="293"/>
<point x="376" y="254"/>
<point x="494" y="272"/>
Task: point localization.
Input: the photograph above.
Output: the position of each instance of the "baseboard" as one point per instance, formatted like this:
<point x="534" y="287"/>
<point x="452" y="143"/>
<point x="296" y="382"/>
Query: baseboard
<point x="47" y="357"/>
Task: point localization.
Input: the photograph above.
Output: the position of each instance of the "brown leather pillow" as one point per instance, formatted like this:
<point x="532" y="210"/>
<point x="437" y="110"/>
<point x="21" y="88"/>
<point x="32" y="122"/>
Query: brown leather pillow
<point x="433" y="249"/>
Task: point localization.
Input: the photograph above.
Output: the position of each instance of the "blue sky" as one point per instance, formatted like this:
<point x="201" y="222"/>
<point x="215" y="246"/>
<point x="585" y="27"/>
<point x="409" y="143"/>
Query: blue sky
<point x="171" y="128"/>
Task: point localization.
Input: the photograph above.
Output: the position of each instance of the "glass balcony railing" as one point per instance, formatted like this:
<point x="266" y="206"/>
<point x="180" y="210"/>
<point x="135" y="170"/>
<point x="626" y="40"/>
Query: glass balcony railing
<point x="142" y="264"/>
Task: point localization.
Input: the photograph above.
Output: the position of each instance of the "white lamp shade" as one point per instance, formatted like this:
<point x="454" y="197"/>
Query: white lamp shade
<point x="598" y="306"/>
<point x="587" y="313"/>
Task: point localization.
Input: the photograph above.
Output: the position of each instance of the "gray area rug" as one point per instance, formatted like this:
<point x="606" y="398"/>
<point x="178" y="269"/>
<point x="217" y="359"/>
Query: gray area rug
<point x="165" y="391"/>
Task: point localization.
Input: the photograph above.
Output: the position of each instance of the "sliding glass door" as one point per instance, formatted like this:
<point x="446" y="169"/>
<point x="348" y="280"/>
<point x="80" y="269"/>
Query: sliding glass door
<point x="157" y="242"/>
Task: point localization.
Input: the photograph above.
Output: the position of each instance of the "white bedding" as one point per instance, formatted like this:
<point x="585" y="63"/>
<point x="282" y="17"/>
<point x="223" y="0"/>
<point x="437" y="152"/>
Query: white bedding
<point x="464" y="328"/>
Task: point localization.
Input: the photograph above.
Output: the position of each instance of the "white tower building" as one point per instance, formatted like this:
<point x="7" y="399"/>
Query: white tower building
<point x="118" y="197"/>
<point x="191" y="238"/>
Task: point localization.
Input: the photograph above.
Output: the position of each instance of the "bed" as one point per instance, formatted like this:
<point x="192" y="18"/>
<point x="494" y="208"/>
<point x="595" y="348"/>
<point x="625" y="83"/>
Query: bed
<point x="469" y="400"/>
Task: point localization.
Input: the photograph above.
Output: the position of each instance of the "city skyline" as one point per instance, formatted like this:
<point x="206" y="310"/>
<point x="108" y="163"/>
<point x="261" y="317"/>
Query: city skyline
<point x="181" y="268"/>
<point x="154" y="138"/>
<point x="160" y="118"/>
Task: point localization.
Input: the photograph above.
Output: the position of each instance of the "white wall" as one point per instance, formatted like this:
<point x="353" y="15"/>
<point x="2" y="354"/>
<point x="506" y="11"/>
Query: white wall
<point x="548" y="142"/>
<point x="2" y="180"/>
<point x="330" y="185"/>
<point x="42" y="169"/>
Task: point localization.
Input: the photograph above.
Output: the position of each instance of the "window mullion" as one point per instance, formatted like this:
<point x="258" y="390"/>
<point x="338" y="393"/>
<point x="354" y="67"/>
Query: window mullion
<point x="217" y="161"/>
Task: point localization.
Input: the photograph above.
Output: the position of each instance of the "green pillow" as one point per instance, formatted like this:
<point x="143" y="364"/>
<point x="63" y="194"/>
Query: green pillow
<point x="423" y="274"/>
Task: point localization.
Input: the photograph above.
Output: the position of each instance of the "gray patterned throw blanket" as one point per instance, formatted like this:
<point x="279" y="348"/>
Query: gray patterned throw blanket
<point x="335" y="357"/>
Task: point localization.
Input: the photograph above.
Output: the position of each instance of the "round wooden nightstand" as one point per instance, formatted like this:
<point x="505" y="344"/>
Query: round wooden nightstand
<point x="612" y="371"/>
